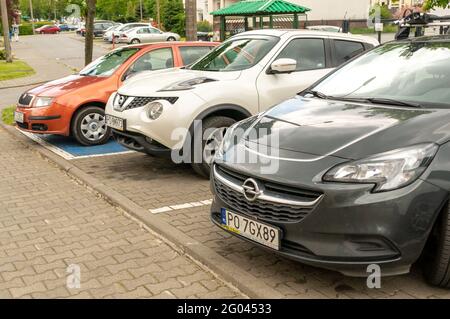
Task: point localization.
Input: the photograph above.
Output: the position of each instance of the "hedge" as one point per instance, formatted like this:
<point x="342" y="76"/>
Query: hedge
<point x="26" y="27"/>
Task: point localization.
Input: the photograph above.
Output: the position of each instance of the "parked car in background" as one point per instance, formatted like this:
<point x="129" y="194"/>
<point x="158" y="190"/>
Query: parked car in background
<point x="324" y="28"/>
<point x="125" y="27"/>
<point x="146" y="35"/>
<point x="247" y="74"/>
<point x="99" y="28"/>
<point x="48" y="29"/>
<point x="109" y="32"/>
<point x="63" y="27"/>
<point x="74" y="105"/>
<point x="362" y="167"/>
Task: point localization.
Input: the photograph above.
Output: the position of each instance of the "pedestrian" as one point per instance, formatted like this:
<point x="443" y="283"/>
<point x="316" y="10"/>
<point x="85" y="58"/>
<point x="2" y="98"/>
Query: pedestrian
<point x="15" y="32"/>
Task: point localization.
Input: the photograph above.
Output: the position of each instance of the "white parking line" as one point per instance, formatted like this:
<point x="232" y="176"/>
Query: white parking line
<point x="63" y="153"/>
<point x="171" y="208"/>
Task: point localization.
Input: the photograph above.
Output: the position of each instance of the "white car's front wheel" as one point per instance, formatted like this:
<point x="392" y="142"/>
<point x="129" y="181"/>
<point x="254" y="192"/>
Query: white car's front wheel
<point x="215" y="128"/>
<point x="171" y="39"/>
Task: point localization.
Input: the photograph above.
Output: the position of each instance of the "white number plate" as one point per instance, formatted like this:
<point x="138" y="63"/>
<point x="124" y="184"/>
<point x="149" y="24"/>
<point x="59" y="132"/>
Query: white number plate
<point x="18" y="117"/>
<point x="260" y="232"/>
<point x="115" y="122"/>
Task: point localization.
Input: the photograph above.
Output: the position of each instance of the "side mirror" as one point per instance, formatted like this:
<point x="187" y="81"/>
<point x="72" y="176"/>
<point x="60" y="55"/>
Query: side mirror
<point x="283" y="66"/>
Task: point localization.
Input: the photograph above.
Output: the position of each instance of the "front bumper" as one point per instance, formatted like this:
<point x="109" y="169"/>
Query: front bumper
<point x="170" y="129"/>
<point x="139" y="143"/>
<point x="45" y="120"/>
<point x="351" y="228"/>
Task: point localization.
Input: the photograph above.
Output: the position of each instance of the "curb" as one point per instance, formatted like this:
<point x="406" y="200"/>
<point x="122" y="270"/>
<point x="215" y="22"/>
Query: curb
<point x="225" y="269"/>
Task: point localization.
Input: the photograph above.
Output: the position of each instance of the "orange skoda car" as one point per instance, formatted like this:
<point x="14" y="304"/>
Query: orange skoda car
<point x="74" y="105"/>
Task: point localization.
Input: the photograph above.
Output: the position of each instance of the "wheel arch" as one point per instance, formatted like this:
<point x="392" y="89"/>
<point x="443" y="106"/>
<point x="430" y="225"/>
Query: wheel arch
<point x="236" y="112"/>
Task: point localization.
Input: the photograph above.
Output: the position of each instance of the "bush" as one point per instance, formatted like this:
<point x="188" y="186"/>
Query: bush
<point x="2" y="54"/>
<point x="204" y="26"/>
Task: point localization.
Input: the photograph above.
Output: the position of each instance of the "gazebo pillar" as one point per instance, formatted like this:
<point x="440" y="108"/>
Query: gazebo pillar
<point x="246" y="23"/>
<point x="295" y="22"/>
<point x="223" y="26"/>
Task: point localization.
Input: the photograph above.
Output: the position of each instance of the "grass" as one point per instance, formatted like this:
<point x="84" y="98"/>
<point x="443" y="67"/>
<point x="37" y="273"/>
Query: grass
<point x="14" y="70"/>
<point x="8" y="115"/>
<point x="386" y="29"/>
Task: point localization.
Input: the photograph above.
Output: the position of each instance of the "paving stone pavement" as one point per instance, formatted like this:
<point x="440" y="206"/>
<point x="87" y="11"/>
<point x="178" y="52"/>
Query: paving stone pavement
<point x="48" y="222"/>
<point x="153" y="183"/>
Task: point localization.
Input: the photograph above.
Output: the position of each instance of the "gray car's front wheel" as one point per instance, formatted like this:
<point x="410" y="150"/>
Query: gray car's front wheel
<point x="171" y="39"/>
<point x="89" y="126"/>
<point x="213" y="131"/>
<point x="437" y="252"/>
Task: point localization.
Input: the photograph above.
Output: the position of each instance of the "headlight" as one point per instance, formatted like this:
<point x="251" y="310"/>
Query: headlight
<point x="42" y="101"/>
<point x="154" y="110"/>
<point x="230" y="139"/>
<point x="389" y="170"/>
<point x="186" y="85"/>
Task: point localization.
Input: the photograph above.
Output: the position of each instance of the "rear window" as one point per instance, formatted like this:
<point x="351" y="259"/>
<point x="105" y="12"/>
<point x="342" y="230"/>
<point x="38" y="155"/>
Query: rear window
<point x="192" y="54"/>
<point x="346" y="50"/>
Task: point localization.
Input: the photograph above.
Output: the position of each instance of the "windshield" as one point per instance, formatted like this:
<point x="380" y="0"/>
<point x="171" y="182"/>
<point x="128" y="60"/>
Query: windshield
<point x="413" y="72"/>
<point x="107" y="64"/>
<point x="236" y="55"/>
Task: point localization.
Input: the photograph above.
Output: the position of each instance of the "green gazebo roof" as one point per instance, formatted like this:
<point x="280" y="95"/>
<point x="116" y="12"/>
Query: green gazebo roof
<point x="260" y="7"/>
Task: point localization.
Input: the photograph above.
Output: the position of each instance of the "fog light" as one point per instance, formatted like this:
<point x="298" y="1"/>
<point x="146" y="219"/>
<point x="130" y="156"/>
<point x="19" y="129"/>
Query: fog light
<point x="154" y="110"/>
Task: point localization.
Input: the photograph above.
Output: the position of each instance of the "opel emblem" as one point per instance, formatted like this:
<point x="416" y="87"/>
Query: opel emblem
<point x="251" y="190"/>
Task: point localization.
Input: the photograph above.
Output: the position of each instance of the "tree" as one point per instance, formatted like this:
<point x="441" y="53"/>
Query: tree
<point x="173" y="16"/>
<point x="430" y="4"/>
<point x="89" y="37"/>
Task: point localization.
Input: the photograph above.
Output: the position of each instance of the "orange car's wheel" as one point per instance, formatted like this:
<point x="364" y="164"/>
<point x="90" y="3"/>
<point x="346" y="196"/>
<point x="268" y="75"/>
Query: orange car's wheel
<point x="89" y="126"/>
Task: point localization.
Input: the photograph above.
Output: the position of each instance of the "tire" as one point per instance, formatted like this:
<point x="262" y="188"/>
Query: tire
<point x="437" y="252"/>
<point x="88" y="126"/>
<point x="171" y="39"/>
<point x="116" y="40"/>
<point x="219" y="122"/>
<point x="42" y="32"/>
<point x="135" y="41"/>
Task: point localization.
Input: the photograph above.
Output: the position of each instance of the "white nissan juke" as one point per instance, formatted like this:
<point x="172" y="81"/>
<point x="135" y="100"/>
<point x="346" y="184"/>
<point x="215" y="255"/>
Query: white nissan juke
<point x="160" y="113"/>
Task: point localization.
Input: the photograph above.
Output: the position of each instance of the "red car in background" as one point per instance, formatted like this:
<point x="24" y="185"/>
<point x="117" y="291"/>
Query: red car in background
<point x="74" y="105"/>
<point x="48" y="29"/>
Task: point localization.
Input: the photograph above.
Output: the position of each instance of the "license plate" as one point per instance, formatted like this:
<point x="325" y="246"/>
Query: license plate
<point x="115" y="122"/>
<point x="18" y="117"/>
<point x="259" y="232"/>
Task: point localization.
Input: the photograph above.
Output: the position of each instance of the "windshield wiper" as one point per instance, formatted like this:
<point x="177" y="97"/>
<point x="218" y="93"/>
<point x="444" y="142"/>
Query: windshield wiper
<point x="317" y="94"/>
<point x="376" y="100"/>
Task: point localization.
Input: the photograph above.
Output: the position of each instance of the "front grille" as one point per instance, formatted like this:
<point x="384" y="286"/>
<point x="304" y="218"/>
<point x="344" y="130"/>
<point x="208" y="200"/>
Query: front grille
<point x="139" y="101"/>
<point x="25" y="99"/>
<point x="265" y="210"/>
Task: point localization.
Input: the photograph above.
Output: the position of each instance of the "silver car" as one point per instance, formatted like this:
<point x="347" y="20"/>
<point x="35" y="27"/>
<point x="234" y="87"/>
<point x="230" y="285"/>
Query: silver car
<point x="147" y="34"/>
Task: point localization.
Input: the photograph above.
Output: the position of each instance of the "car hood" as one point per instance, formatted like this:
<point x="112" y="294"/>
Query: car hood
<point x="149" y="82"/>
<point x="318" y="128"/>
<point x="64" y="85"/>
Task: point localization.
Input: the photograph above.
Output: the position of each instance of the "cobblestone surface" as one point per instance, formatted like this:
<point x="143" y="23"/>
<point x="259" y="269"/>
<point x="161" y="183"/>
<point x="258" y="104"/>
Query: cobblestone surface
<point x="153" y="183"/>
<point x="48" y="222"/>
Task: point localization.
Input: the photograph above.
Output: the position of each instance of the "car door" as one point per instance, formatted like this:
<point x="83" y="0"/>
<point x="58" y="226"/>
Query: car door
<point x="157" y="35"/>
<point x="145" y="35"/>
<point x="312" y="55"/>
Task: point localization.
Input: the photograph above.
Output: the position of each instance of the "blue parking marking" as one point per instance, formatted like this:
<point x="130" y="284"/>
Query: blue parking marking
<point x="70" y="149"/>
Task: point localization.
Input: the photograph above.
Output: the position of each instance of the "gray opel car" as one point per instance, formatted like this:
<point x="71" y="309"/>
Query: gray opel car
<point x="353" y="171"/>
